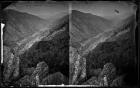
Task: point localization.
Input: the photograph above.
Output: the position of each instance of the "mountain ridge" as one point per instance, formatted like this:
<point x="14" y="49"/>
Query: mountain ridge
<point x="21" y="25"/>
<point x="86" y="25"/>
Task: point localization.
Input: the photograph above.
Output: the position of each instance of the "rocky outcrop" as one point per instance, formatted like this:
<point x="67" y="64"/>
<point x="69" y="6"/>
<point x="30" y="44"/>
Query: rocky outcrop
<point x="109" y="71"/>
<point x="24" y="81"/>
<point x="11" y="65"/>
<point x="118" y="81"/>
<point x="92" y="81"/>
<point x="104" y="77"/>
<point x="40" y="72"/>
<point x="77" y="66"/>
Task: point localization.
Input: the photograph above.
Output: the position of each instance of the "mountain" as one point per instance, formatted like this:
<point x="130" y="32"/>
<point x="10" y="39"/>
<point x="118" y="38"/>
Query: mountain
<point x="50" y="31"/>
<point x="86" y="25"/>
<point x="97" y="41"/>
<point x="30" y="40"/>
<point x="53" y="48"/>
<point x="88" y="30"/>
<point x="93" y="43"/>
<point x="85" y="30"/>
<point x="20" y="25"/>
<point x="118" y="48"/>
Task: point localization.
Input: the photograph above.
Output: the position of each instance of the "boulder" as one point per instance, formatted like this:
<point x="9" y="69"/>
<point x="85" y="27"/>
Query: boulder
<point x="109" y="71"/>
<point x="39" y="73"/>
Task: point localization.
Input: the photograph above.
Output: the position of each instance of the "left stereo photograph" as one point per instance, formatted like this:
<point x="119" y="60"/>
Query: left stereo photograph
<point x="35" y="44"/>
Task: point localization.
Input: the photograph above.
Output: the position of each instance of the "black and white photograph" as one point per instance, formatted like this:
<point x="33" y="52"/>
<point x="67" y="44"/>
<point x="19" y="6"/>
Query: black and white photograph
<point x="36" y="44"/>
<point x="102" y="40"/>
<point x="69" y="44"/>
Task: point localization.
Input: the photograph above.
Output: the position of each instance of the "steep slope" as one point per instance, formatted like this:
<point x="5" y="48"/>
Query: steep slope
<point x="86" y="25"/>
<point x="85" y="29"/>
<point x="125" y="25"/>
<point x="20" y="25"/>
<point x="118" y="49"/>
<point x="52" y="48"/>
<point x="108" y="44"/>
<point x="28" y="40"/>
<point x="48" y="31"/>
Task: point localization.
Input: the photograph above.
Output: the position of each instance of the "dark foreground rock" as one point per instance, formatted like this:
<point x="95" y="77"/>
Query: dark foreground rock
<point x="38" y="73"/>
<point x="118" y="82"/>
<point x="11" y="65"/>
<point x="8" y="61"/>
<point x="95" y="72"/>
<point x="41" y="70"/>
<point x="24" y="81"/>
<point x="28" y="71"/>
<point x="54" y="79"/>
<point x="92" y="81"/>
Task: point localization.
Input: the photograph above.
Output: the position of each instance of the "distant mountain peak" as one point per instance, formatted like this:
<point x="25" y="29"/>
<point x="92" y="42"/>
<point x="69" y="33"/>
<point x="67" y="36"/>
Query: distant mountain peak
<point x="15" y="12"/>
<point x="20" y="25"/>
<point x="86" y="25"/>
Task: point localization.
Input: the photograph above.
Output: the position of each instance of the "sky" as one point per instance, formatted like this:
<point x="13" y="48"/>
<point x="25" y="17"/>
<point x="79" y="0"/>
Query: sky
<point x="43" y="9"/>
<point x="114" y="10"/>
<point x="108" y="9"/>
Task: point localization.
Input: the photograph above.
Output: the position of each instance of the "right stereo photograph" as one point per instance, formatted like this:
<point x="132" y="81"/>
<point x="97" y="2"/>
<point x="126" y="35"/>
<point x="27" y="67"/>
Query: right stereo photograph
<point x="102" y="44"/>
